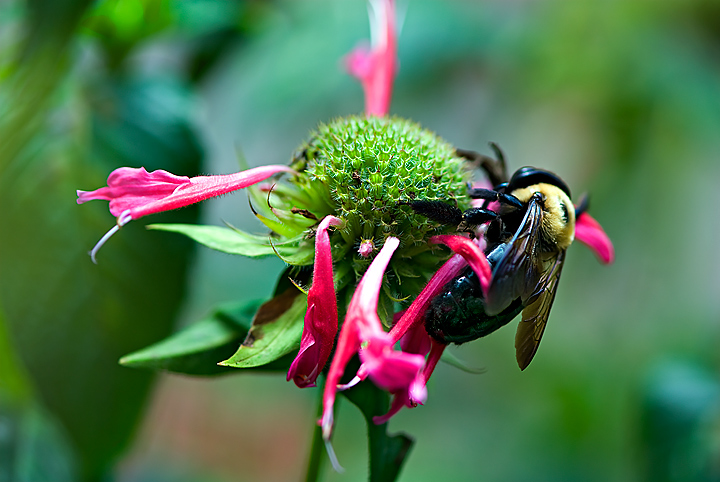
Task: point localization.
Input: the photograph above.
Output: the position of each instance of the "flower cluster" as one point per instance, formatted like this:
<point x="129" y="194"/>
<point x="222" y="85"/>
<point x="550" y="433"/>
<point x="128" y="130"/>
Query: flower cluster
<point x="343" y="197"/>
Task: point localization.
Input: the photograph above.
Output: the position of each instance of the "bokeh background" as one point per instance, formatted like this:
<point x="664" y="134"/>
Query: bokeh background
<point x="620" y="97"/>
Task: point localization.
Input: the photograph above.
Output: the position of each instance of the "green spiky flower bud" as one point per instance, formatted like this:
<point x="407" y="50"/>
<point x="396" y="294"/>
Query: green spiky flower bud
<point x="364" y="171"/>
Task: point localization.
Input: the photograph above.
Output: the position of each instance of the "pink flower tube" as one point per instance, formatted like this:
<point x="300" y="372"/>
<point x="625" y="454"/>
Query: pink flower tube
<point x="321" y="318"/>
<point x="376" y="67"/>
<point x="589" y="232"/>
<point x="391" y="370"/>
<point x="134" y="192"/>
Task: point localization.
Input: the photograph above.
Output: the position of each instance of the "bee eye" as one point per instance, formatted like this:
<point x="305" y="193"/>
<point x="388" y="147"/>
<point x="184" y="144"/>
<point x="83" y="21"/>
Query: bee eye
<point x="565" y="213"/>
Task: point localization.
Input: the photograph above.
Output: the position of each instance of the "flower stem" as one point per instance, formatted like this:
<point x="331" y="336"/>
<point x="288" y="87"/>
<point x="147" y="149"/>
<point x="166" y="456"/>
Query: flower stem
<point x="317" y="457"/>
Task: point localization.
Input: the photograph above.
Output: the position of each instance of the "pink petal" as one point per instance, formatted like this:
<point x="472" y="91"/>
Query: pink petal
<point x="398" y="401"/>
<point x="129" y="187"/>
<point x="362" y="309"/>
<point x="361" y="323"/>
<point x="474" y="256"/>
<point x="436" y="351"/>
<point x="416" y="340"/>
<point x="305" y="368"/>
<point x="418" y="390"/>
<point x="411" y="342"/>
<point x="410" y="330"/>
<point x="376" y="68"/>
<point x="359" y="62"/>
<point x="134" y="193"/>
<point x="144" y="193"/>
<point x="589" y="232"/>
<point x="409" y="397"/>
<point x="416" y="394"/>
<point x="391" y="370"/>
<point x="321" y="319"/>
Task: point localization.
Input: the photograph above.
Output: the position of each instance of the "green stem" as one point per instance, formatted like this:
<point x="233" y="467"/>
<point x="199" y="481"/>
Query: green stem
<point x="317" y="457"/>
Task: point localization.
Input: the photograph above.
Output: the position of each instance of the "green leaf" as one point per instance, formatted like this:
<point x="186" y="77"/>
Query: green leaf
<point x="276" y="331"/>
<point x="387" y="452"/>
<point x="196" y="349"/>
<point x="231" y="241"/>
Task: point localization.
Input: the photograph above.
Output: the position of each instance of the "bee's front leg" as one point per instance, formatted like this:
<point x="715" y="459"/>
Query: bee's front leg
<point x="490" y="195"/>
<point x="474" y="217"/>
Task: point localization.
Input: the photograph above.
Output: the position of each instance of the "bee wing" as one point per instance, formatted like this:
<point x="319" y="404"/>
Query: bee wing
<point x="516" y="275"/>
<point x="535" y="315"/>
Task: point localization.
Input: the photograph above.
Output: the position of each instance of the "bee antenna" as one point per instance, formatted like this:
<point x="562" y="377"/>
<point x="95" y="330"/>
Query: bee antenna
<point x="582" y="205"/>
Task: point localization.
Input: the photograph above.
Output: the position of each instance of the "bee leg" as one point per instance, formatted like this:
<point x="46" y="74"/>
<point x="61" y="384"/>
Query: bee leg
<point x="437" y="211"/>
<point x="494" y="168"/>
<point x="475" y="217"/>
<point x="490" y="195"/>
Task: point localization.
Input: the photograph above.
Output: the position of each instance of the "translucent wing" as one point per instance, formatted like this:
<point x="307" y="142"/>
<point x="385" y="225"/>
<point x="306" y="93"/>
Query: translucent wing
<point x="536" y="312"/>
<point x="518" y="272"/>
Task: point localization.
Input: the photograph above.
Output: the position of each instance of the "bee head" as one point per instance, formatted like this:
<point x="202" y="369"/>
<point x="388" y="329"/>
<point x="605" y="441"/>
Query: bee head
<point x="558" y="224"/>
<point x="527" y="176"/>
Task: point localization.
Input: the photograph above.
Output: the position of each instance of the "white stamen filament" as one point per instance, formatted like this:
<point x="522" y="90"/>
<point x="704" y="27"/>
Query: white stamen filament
<point x="333" y="458"/>
<point x="102" y="241"/>
<point x="350" y="384"/>
<point x="123" y="219"/>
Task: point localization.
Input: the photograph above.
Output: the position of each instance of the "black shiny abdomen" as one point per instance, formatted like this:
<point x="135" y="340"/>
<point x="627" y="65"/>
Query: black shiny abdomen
<point x="457" y="314"/>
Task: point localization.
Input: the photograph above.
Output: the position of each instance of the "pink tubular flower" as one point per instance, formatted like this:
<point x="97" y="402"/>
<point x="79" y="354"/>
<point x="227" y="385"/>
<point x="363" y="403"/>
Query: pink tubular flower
<point x="134" y="192"/>
<point x="472" y="253"/>
<point x="391" y="370"/>
<point x="321" y="318"/>
<point x="376" y="68"/>
<point x="410" y="331"/>
<point x="415" y="340"/>
<point x="589" y="232"/>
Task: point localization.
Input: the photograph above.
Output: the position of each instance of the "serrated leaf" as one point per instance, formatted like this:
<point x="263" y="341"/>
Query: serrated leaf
<point x="230" y="240"/>
<point x="276" y="331"/>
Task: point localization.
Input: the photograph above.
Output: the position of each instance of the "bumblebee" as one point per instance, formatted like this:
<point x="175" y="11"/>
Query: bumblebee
<point x="527" y="237"/>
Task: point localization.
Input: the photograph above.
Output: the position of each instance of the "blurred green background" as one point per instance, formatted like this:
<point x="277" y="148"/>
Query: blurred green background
<point x="619" y="97"/>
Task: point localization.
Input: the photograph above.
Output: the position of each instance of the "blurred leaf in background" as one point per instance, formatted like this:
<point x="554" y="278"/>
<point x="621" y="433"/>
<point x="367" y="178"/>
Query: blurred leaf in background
<point x="72" y="120"/>
<point x="33" y="446"/>
<point x="681" y="423"/>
